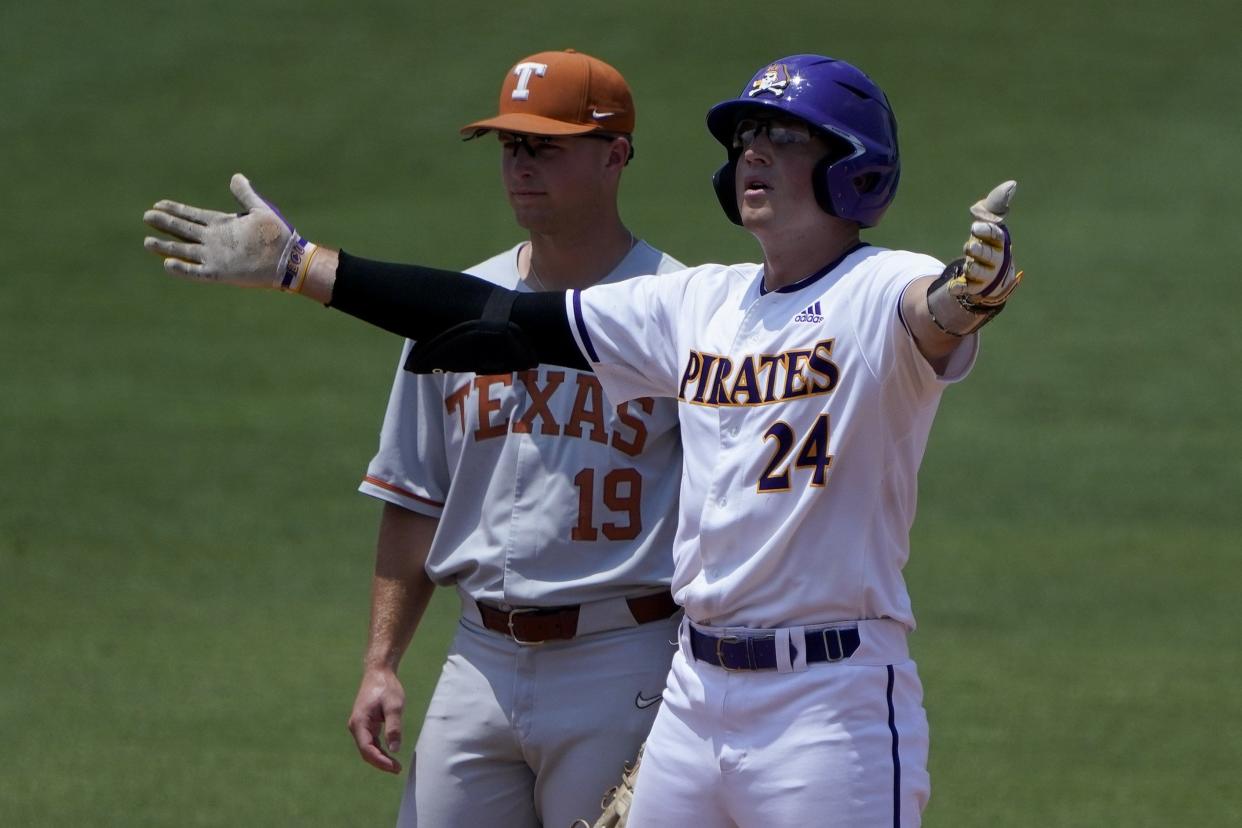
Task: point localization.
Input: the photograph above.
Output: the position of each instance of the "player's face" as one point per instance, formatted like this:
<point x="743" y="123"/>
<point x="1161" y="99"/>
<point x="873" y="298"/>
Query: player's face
<point x="554" y="180"/>
<point x="773" y="182"/>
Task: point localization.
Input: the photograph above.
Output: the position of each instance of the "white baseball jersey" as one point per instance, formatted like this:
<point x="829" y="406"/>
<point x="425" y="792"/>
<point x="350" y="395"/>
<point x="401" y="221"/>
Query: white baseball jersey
<point x="546" y="494"/>
<point x="804" y="415"/>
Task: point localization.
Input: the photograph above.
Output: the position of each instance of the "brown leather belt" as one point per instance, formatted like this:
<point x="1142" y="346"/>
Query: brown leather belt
<point x="534" y="625"/>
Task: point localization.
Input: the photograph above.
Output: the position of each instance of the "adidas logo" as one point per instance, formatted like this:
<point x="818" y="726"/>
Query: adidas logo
<point x="811" y="314"/>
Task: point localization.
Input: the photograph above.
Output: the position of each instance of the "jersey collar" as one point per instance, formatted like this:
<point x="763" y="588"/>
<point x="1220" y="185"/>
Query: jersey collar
<point x="814" y="277"/>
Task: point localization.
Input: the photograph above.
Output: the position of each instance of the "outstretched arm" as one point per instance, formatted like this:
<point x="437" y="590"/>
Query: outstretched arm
<point x="459" y="322"/>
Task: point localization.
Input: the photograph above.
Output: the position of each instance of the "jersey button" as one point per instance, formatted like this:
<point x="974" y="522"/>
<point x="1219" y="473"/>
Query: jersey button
<point x="724" y="501"/>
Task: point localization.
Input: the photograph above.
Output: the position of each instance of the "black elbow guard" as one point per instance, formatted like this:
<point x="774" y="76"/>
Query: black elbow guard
<point x="492" y="344"/>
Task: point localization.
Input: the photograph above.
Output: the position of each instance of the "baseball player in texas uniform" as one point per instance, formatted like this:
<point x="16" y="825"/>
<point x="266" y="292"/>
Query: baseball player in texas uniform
<point x="552" y="512"/>
<point x="806" y="388"/>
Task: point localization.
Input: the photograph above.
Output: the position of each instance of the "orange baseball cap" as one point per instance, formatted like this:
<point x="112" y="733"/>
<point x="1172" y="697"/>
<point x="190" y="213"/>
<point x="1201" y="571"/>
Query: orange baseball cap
<point x="561" y="93"/>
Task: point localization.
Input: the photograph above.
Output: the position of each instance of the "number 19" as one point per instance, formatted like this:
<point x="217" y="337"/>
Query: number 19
<point x="623" y="492"/>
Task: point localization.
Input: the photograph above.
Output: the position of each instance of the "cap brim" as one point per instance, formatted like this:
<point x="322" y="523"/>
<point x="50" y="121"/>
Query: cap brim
<point x="528" y="125"/>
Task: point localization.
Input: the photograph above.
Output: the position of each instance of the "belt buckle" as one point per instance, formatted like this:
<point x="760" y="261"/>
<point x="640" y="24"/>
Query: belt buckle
<point x="513" y="633"/>
<point x="720" y="662"/>
<point x="836" y="632"/>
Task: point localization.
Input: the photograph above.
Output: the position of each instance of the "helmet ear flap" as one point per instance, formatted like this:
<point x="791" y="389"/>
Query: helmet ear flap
<point x="821" y="186"/>
<point x="726" y="190"/>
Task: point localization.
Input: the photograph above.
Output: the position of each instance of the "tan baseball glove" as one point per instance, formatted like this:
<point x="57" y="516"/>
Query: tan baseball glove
<point x="616" y="802"/>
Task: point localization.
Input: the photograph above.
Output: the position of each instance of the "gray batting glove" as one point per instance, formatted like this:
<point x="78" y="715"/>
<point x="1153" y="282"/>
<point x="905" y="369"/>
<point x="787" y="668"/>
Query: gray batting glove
<point x="988" y="276"/>
<point x="257" y="248"/>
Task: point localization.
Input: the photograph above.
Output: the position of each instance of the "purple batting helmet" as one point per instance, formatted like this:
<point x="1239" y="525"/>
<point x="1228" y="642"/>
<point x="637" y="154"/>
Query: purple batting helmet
<point x="857" y="182"/>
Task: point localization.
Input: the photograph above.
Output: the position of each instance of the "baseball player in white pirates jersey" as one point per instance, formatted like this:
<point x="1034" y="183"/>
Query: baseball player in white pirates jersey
<point x="806" y="387"/>
<point x="805" y="411"/>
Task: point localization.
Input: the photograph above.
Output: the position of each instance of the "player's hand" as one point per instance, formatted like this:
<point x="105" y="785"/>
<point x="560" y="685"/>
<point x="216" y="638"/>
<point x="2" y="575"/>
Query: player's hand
<point x="376" y="719"/>
<point x="255" y="248"/>
<point x="988" y="276"/>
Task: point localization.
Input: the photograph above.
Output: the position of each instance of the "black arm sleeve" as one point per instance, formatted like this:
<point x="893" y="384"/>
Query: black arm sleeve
<point x="421" y="303"/>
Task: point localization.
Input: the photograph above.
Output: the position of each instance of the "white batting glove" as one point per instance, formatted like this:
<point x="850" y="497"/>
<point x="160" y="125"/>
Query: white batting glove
<point x="988" y="276"/>
<point x="257" y="248"/>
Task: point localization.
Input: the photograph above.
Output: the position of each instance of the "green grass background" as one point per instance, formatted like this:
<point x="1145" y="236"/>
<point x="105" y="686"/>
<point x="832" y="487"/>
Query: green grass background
<point x="184" y="563"/>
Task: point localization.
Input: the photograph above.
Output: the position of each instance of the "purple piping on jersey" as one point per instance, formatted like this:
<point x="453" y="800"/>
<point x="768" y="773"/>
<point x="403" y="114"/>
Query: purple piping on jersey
<point x="892" y="728"/>
<point x="901" y="314"/>
<point x="814" y="277"/>
<point x="582" y="331"/>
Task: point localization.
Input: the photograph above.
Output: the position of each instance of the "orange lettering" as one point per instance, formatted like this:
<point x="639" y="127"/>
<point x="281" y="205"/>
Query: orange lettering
<point x="539" y="403"/>
<point x="489" y="405"/>
<point x="633" y="446"/>
<point x="588" y="409"/>
<point x="457" y="402"/>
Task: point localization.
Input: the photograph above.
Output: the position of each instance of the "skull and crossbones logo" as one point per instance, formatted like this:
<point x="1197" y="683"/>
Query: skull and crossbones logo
<point x="774" y="79"/>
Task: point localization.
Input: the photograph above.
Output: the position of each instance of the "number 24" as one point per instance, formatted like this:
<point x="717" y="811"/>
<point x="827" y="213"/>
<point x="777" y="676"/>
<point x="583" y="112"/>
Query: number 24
<point x="813" y="454"/>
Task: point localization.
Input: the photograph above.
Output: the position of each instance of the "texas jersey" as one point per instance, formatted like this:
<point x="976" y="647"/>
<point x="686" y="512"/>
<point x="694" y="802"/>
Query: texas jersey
<point x="545" y="493"/>
<point x="804" y="415"/>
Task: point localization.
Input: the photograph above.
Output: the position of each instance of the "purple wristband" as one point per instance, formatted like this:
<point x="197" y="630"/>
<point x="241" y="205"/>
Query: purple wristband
<point x="296" y="253"/>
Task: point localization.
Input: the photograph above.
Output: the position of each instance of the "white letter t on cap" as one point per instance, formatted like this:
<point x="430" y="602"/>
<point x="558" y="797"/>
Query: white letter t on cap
<point x="524" y="71"/>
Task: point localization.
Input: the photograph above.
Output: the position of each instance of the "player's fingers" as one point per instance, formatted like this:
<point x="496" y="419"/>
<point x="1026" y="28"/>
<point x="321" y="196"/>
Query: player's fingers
<point x="239" y="185"/>
<point x="362" y="729"/>
<point x="187" y="270"/>
<point x="249" y="198"/>
<point x="392" y="730"/>
<point x="173" y="225"/>
<point x="366" y="739"/>
<point x="174" y="249"/>
<point x="988" y="232"/>
<point x="376" y="758"/>
<point x="198" y="215"/>
<point x="984" y="254"/>
<point x="995" y="205"/>
<point x="382" y="761"/>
